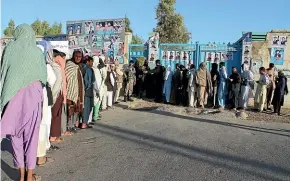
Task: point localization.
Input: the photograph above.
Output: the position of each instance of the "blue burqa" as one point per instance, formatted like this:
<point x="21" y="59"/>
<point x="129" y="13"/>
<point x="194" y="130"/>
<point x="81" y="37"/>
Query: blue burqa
<point x="167" y="84"/>
<point x="222" y="87"/>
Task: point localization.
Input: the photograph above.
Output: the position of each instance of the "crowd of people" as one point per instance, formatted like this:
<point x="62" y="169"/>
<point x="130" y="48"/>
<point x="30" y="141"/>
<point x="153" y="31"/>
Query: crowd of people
<point x="216" y="88"/>
<point x="45" y="97"/>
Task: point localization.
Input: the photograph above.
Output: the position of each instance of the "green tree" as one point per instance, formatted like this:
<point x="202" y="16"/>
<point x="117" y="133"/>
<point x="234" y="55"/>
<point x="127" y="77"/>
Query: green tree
<point x="10" y="29"/>
<point x="170" y="25"/>
<point x="127" y="25"/>
<point x="54" y="30"/>
<point x="137" y="40"/>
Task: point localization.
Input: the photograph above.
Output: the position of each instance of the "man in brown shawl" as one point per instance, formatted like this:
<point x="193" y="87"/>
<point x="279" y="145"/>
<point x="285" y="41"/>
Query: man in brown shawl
<point x="204" y="84"/>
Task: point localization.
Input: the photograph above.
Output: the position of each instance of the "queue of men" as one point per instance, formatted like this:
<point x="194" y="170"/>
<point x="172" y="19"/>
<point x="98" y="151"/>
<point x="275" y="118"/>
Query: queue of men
<point x="45" y="97"/>
<point x="216" y="88"/>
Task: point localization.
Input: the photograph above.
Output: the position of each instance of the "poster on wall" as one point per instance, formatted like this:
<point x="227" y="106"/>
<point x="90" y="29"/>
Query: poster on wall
<point x="283" y="40"/>
<point x="217" y="57"/>
<point x="98" y="37"/>
<point x="277" y="56"/>
<point x="61" y="46"/>
<point x="230" y="56"/>
<point x="224" y="56"/>
<point x="209" y="56"/>
<point x="164" y="55"/>
<point x="248" y="38"/>
<point x="278" y="41"/>
<point x="73" y="42"/>
<point x="171" y="56"/>
<point x="178" y="57"/>
<point x="153" y="46"/>
<point x="246" y="53"/>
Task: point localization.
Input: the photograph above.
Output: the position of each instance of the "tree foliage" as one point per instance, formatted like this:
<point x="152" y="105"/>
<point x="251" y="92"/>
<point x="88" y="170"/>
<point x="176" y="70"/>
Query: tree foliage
<point x="40" y="28"/>
<point x="170" y="24"/>
<point x="137" y="40"/>
<point x="128" y="26"/>
<point x="10" y="29"/>
<point x="44" y="28"/>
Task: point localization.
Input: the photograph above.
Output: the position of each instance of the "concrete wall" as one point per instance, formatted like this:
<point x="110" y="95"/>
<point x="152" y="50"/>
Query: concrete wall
<point x="261" y="52"/>
<point x="128" y="40"/>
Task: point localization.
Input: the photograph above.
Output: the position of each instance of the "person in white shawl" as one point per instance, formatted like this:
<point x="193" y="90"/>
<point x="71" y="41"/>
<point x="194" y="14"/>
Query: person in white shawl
<point x="44" y="131"/>
<point x="247" y="86"/>
<point x="98" y="89"/>
<point x="103" y="93"/>
<point x="191" y="89"/>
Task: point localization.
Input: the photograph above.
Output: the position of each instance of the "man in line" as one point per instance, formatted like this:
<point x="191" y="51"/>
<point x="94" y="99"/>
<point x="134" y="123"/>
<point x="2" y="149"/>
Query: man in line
<point x="271" y="86"/>
<point x="235" y="80"/>
<point x="130" y="81"/>
<point x="261" y="92"/>
<point x="89" y="80"/>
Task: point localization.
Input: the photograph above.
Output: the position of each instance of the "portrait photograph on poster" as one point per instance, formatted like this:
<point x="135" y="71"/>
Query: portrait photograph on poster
<point x="277" y="56"/>
<point x="275" y="40"/>
<point x="185" y="55"/>
<point x="209" y="56"/>
<point x="171" y="55"/>
<point x="83" y="40"/>
<point x="283" y="40"/>
<point x="177" y="56"/>
<point x="78" y="28"/>
<point x="164" y="55"/>
<point x="224" y="56"/>
<point x="229" y="55"/>
<point x="217" y="57"/>
<point x="70" y="29"/>
<point x="72" y="41"/>
<point x="247" y="50"/>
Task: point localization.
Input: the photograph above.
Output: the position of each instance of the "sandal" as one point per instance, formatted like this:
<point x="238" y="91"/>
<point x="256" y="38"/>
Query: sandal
<point x="36" y="177"/>
<point x="67" y="133"/>
<point x="47" y="160"/>
<point x="86" y="127"/>
<point x="57" y="140"/>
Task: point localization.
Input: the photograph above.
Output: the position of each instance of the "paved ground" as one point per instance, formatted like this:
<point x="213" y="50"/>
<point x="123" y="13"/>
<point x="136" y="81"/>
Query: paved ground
<point x="136" y="145"/>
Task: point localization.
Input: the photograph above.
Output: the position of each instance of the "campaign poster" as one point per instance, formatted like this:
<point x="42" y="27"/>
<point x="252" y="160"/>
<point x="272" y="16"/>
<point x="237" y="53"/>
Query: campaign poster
<point x="217" y="57"/>
<point x="275" y="40"/>
<point x="247" y="53"/>
<point x="61" y="46"/>
<point x="277" y="56"/>
<point x="229" y="56"/>
<point x="78" y="28"/>
<point x="248" y="38"/>
<point x="73" y="42"/>
<point x="83" y="40"/>
<point x="178" y="57"/>
<point x="171" y="59"/>
<point x="209" y="57"/>
<point x="224" y="56"/>
<point x="283" y="40"/>
<point x="153" y="44"/>
<point x="70" y="29"/>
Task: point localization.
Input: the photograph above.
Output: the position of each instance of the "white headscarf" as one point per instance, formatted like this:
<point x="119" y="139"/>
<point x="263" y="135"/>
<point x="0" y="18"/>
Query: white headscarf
<point x="168" y="70"/>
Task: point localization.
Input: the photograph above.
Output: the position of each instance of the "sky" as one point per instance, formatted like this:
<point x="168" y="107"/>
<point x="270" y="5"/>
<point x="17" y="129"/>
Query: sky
<point x="207" y="20"/>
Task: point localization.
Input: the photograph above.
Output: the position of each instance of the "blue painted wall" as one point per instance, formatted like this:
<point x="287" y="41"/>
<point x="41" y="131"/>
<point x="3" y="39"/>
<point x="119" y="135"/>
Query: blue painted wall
<point x="198" y="53"/>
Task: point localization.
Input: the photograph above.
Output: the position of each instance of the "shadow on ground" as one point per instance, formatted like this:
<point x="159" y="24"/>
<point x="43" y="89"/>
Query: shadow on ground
<point x="235" y="125"/>
<point x="12" y="173"/>
<point x="233" y="163"/>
